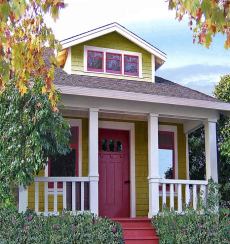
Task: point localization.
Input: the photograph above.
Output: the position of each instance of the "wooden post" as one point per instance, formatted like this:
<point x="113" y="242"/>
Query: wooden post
<point x="211" y="150"/>
<point x="23" y="199"/>
<point x="93" y="159"/>
<point x="153" y="165"/>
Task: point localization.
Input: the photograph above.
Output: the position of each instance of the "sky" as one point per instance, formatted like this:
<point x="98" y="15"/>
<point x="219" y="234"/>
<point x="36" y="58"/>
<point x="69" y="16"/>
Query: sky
<point x="188" y="64"/>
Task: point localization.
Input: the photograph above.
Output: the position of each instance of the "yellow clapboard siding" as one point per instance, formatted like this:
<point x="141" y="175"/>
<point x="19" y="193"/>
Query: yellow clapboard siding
<point x="111" y="41"/>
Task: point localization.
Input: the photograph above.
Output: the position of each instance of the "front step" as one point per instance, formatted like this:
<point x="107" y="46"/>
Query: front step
<point x="138" y="231"/>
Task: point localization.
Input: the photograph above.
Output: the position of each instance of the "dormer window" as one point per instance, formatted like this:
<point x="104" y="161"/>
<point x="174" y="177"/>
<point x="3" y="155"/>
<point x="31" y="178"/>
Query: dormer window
<point x="111" y="61"/>
<point x="95" y="61"/>
<point x="131" y="65"/>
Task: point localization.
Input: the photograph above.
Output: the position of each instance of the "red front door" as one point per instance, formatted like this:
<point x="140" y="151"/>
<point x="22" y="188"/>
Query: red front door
<point x="114" y="173"/>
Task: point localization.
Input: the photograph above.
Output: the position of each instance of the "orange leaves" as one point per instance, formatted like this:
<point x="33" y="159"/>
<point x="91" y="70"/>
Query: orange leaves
<point x="199" y="14"/>
<point x="2" y="85"/>
<point x="208" y="16"/>
<point x="227" y="42"/>
<point x="23" y="38"/>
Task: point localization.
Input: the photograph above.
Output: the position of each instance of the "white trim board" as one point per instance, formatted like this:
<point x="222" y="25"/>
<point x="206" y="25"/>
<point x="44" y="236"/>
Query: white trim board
<point x="103" y="30"/>
<point x="75" y="122"/>
<point x="131" y="128"/>
<point x="173" y="129"/>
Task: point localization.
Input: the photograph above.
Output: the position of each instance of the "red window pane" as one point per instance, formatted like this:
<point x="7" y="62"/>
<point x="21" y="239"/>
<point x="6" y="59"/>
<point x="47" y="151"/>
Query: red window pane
<point x="74" y="135"/>
<point x="166" y="140"/>
<point x="131" y="65"/>
<point x="95" y="61"/>
<point x="113" y="63"/>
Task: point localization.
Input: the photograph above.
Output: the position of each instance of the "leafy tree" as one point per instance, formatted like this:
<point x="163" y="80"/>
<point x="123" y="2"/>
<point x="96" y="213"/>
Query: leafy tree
<point x="31" y="127"/>
<point x="30" y="132"/>
<point x="23" y="37"/>
<point x="222" y="92"/>
<point x="197" y="145"/>
<point x="197" y="154"/>
<point x="206" y="18"/>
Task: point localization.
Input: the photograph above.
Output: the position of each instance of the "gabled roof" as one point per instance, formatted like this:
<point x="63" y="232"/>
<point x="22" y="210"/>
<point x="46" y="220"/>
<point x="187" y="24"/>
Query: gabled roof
<point x="106" y="29"/>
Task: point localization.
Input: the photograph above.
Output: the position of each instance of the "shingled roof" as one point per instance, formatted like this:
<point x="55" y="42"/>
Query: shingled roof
<point x="161" y="87"/>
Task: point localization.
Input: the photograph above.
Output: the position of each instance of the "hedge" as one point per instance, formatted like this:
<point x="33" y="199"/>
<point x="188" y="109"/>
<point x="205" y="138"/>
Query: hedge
<point x="206" y="225"/>
<point x="193" y="227"/>
<point x="26" y="228"/>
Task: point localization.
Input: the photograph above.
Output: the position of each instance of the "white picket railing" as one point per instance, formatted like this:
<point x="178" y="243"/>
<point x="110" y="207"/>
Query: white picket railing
<point x="59" y="188"/>
<point x="185" y="192"/>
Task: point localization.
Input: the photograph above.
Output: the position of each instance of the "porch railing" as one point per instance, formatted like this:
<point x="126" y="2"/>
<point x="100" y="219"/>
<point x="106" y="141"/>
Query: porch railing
<point x="55" y="194"/>
<point x="177" y="194"/>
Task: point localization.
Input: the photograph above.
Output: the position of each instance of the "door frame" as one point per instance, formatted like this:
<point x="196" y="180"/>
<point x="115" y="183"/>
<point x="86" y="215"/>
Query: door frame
<point x="131" y="128"/>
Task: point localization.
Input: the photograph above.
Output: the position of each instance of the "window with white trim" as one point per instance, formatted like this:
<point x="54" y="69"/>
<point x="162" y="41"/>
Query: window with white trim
<point x="95" y="61"/>
<point x="166" y="155"/>
<point x="112" y="61"/>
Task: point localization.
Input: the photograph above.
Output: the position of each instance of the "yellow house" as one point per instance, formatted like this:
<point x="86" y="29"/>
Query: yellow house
<point x="129" y="129"/>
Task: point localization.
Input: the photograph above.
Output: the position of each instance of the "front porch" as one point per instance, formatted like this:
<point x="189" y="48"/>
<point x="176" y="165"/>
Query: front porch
<point x="145" y="189"/>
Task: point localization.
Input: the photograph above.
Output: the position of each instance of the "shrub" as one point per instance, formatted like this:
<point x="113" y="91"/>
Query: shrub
<point x="193" y="228"/>
<point x="205" y="225"/>
<point x="17" y="228"/>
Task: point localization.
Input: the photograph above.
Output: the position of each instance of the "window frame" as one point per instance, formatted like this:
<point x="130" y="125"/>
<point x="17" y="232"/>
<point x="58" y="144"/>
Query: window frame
<point x="172" y="128"/>
<point x="113" y="51"/>
<point x="169" y="147"/>
<point x="74" y="123"/>
<point x="128" y="73"/>
<point x="72" y="146"/>
<point x="92" y="69"/>
<point x="112" y="71"/>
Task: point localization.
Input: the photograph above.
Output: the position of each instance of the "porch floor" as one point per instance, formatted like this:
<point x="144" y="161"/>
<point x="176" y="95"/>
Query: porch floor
<point x="138" y="230"/>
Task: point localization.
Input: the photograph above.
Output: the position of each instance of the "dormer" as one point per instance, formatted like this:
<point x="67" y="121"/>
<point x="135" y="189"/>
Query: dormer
<point x="111" y="51"/>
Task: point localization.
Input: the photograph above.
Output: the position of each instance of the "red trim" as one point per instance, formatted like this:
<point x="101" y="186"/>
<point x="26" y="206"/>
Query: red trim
<point x="113" y="71"/>
<point x="92" y="69"/>
<point x="130" y="73"/>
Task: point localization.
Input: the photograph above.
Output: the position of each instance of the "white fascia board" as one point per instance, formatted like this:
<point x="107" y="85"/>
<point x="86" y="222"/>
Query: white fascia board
<point x="111" y="28"/>
<point x="142" y="97"/>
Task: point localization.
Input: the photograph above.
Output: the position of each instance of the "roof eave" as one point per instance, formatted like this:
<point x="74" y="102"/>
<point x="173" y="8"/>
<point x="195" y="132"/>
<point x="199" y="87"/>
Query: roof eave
<point x="142" y="97"/>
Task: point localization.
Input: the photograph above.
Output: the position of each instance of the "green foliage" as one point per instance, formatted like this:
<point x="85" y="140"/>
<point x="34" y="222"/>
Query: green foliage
<point x="222" y="92"/>
<point x="206" y="226"/>
<point x="196" y="142"/>
<point x="30" y="228"/>
<point x="197" y="159"/>
<point x="222" y="89"/>
<point x="206" y="18"/>
<point x="30" y="131"/>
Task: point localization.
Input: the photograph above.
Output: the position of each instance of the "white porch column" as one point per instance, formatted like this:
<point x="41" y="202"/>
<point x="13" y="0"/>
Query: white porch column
<point x="187" y="156"/>
<point x="153" y="164"/>
<point x="211" y="150"/>
<point x="93" y="159"/>
<point x="22" y="199"/>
